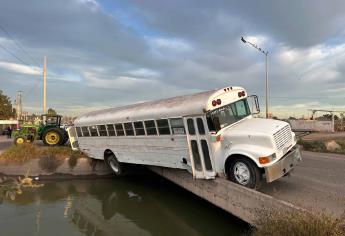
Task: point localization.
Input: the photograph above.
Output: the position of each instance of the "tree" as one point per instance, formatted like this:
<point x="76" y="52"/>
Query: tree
<point x="6" y="110"/>
<point x="51" y="112"/>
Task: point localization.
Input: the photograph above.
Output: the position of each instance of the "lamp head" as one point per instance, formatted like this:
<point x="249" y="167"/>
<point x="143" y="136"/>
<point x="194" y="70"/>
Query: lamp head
<point x="243" y="40"/>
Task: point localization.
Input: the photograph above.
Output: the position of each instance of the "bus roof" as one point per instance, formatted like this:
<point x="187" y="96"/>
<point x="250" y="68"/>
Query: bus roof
<point x="193" y="104"/>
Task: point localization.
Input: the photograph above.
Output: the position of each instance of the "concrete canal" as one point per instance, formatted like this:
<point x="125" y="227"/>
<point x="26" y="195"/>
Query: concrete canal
<point x="135" y="205"/>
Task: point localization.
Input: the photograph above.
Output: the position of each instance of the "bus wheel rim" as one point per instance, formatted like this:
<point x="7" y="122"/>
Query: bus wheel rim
<point x="242" y="173"/>
<point x="52" y="138"/>
<point x="114" y="166"/>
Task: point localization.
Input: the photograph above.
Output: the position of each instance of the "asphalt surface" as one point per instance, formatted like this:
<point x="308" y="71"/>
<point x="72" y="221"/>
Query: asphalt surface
<point x="317" y="183"/>
<point x="4" y="143"/>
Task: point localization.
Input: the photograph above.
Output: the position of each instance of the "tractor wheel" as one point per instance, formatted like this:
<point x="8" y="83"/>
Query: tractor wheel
<point x="19" y="140"/>
<point x="65" y="137"/>
<point x="52" y="137"/>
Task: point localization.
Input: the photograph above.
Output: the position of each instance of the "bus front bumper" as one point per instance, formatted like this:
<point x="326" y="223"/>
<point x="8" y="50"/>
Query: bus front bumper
<point x="284" y="165"/>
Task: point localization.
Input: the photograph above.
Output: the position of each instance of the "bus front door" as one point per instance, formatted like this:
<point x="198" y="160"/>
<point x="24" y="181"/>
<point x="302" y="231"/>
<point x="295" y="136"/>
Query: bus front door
<point x="199" y="151"/>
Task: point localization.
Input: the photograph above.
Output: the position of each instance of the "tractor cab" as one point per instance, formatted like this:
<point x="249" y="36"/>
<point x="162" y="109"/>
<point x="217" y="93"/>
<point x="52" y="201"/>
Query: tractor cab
<point x="51" y="120"/>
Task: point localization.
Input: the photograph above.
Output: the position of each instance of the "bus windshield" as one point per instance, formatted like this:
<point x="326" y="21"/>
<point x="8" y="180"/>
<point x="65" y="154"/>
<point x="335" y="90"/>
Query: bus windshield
<point x="227" y="115"/>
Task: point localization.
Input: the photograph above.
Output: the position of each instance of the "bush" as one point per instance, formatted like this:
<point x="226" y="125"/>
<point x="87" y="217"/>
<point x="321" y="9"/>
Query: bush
<point x="312" y="145"/>
<point x="299" y="223"/>
<point x="26" y="152"/>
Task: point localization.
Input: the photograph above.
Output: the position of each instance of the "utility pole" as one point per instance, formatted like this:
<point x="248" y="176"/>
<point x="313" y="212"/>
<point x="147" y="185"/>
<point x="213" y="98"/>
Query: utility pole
<point x="45" y="85"/>
<point x="266" y="81"/>
<point x="19" y="104"/>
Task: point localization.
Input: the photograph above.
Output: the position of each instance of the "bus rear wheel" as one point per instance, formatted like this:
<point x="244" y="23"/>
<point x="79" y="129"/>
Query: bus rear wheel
<point x="244" y="172"/>
<point x="115" y="165"/>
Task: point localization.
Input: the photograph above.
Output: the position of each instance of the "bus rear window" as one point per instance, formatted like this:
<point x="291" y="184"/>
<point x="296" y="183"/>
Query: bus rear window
<point x="163" y="127"/>
<point x="129" y="129"/>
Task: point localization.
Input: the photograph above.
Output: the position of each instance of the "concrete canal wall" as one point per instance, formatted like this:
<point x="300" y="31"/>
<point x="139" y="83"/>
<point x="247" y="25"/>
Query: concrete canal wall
<point x="246" y="204"/>
<point x="53" y="169"/>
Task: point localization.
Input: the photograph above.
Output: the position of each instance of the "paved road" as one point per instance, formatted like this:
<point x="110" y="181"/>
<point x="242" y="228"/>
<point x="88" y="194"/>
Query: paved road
<point x="318" y="182"/>
<point x="4" y="143"/>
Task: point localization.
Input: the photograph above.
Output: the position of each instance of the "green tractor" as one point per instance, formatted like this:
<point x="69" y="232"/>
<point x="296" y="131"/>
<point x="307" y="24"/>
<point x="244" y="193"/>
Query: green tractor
<point x="48" y="131"/>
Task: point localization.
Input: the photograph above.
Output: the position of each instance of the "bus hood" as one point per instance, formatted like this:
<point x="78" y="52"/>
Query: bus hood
<point x="258" y="125"/>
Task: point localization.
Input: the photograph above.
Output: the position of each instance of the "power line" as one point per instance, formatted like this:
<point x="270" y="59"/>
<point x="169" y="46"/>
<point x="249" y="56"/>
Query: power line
<point x="19" y="45"/>
<point x="14" y="55"/>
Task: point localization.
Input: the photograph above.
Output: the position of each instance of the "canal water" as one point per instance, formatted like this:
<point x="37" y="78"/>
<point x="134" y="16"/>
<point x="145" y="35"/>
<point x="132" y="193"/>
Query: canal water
<point x="132" y="205"/>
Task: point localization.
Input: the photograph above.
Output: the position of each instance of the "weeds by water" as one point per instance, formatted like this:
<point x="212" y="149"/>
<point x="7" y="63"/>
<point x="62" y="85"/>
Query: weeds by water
<point x="26" y="152"/>
<point x="299" y="223"/>
<point x="11" y="187"/>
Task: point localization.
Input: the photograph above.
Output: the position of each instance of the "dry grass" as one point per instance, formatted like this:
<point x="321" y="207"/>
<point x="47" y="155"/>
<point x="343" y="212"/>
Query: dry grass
<point x="319" y="146"/>
<point x="299" y="224"/>
<point x="26" y="152"/>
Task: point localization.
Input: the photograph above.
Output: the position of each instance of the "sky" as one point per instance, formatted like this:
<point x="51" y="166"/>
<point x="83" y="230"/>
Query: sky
<point x="110" y="53"/>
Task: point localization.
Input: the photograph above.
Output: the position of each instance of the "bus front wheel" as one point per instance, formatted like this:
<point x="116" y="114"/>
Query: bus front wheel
<point x="115" y="165"/>
<point x="244" y="172"/>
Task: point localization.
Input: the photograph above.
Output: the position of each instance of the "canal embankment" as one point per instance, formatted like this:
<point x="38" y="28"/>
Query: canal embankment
<point x="299" y="194"/>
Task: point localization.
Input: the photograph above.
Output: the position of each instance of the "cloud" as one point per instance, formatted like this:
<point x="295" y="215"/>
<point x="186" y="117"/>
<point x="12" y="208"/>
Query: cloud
<point x="113" y="52"/>
<point x="19" y="68"/>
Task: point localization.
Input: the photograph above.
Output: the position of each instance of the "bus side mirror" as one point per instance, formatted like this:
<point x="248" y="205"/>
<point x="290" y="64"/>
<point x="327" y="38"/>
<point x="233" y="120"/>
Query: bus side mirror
<point x="255" y="107"/>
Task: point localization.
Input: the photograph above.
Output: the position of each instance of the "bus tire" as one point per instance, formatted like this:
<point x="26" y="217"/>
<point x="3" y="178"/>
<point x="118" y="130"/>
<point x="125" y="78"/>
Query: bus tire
<point x="116" y="166"/>
<point x="245" y="172"/>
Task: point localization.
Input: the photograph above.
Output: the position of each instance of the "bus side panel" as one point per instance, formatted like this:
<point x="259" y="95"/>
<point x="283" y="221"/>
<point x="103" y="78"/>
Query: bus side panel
<point x="164" y="151"/>
<point x="94" y="147"/>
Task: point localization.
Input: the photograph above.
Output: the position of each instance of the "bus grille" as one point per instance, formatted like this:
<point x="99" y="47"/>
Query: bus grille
<point x="282" y="137"/>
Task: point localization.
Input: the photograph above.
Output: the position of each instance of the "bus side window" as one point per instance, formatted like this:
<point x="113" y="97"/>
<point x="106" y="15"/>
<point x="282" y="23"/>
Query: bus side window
<point x="150" y="126"/>
<point x="93" y="131"/>
<point x="177" y="126"/>
<point x="129" y="129"/>
<point x="119" y="129"/>
<point x="139" y="128"/>
<point x="111" y="130"/>
<point x="79" y="133"/>
<point x="163" y="127"/>
<point x="102" y="130"/>
<point x="201" y="127"/>
<point x="86" y="132"/>
<point x="191" y="128"/>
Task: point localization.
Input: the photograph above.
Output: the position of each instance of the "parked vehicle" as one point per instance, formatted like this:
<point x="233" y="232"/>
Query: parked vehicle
<point x="48" y="131"/>
<point x="210" y="134"/>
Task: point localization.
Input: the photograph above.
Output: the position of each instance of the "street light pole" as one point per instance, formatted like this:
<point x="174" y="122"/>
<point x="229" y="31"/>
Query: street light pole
<point x="266" y="80"/>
